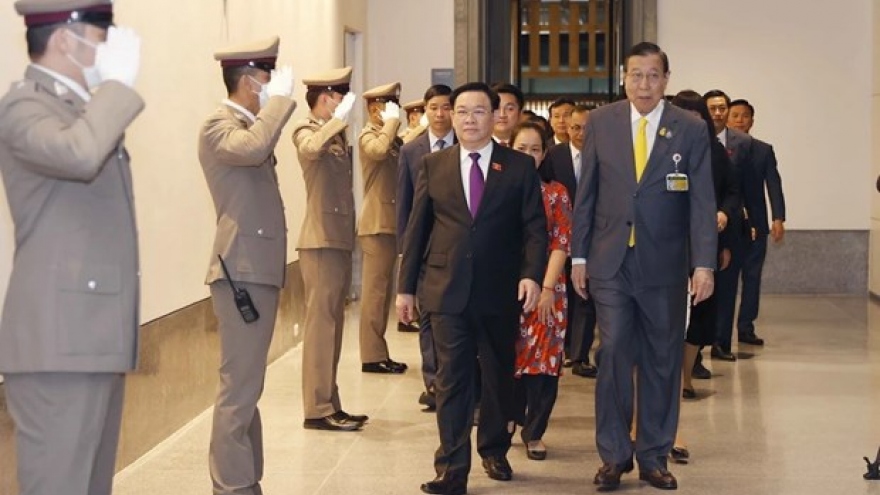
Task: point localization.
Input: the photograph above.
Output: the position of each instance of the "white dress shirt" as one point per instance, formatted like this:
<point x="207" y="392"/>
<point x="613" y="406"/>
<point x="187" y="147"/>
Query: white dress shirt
<point x="70" y="83"/>
<point x="722" y="136"/>
<point x="244" y="111"/>
<point x="466" y="162"/>
<point x="576" y="163"/>
<point x="447" y="140"/>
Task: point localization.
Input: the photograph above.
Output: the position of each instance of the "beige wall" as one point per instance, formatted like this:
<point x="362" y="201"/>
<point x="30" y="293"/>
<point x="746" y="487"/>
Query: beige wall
<point x="874" y="253"/>
<point x="181" y="84"/>
<point x="808" y="72"/>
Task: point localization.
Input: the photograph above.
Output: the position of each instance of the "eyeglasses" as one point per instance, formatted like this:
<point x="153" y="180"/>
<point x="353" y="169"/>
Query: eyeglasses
<point x="477" y="113"/>
<point x="575" y="128"/>
<point x="637" y="77"/>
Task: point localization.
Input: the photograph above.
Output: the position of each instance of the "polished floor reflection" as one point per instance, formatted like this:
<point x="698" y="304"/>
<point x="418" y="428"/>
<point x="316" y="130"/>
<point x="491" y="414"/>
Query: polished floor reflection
<point x="794" y="417"/>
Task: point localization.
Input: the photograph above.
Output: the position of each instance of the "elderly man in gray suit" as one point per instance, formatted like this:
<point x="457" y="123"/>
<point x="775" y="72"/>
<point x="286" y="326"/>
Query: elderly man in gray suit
<point x="69" y="329"/>
<point x="643" y="220"/>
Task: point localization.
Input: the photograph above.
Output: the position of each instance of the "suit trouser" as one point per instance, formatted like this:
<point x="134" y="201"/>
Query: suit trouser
<point x="380" y="257"/>
<point x="753" y="265"/>
<point x="535" y="398"/>
<point x="458" y="339"/>
<point x="641" y="326"/>
<point x="726" y="287"/>
<point x="427" y="350"/>
<point x="582" y="322"/>
<point x="236" y="449"/>
<point x="66" y="430"/>
<point x="327" y="277"/>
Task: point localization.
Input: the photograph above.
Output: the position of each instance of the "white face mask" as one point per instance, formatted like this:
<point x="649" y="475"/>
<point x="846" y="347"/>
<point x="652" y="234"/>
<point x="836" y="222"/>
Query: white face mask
<point x="264" y="92"/>
<point x="90" y="73"/>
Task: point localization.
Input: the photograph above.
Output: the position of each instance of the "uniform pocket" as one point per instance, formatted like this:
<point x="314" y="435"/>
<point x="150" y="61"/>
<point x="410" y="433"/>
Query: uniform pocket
<point x="89" y="309"/>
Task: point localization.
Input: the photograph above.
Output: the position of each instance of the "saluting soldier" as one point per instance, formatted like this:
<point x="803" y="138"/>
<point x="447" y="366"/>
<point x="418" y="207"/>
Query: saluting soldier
<point x="70" y="323"/>
<point x="415" y="119"/>
<point x="325" y="244"/>
<point x="380" y="151"/>
<point x="237" y="153"/>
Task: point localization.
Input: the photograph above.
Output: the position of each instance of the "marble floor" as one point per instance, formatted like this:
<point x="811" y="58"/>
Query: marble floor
<point x="794" y="417"/>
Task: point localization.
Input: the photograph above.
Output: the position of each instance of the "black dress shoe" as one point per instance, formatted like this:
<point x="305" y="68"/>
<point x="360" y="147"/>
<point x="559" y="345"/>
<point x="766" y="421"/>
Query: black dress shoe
<point x="442" y="485"/>
<point x="608" y="477"/>
<point x="585" y="370"/>
<point x="498" y="468"/>
<point x="332" y="423"/>
<point x="429" y="400"/>
<point x="659" y="478"/>
<point x="688" y="393"/>
<point x="356" y="418"/>
<point x="721" y="354"/>
<point x="387" y="366"/>
<point x="407" y="327"/>
<point x="751" y="339"/>
<point x="700" y="372"/>
<point x="680" y="455"/>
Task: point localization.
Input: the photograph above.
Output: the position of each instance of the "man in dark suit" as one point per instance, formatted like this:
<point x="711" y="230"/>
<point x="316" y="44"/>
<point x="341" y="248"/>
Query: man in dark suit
<point x="475" y="246"/>
<point x="643" y="219"/>
<point x="764" y="175"/>
<point x="741" y="151"/>
<point x="564" y="165"/>
<point x="439" y="135"/>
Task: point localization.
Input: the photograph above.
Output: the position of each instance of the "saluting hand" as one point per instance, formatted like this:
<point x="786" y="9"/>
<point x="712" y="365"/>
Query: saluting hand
<point x="392" y="111"/>
<point x="529" y="291"/>
<point x="344" y="107"/>
<point x="119" y="58"/>
<point x="281" y="83"/>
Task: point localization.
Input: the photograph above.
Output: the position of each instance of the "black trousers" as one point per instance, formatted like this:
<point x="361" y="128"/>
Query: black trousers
<point x="458" y="339"/>
<point x="535" y="398"/>
<point x="581" y="322"/>
<point x="753" y="265"/>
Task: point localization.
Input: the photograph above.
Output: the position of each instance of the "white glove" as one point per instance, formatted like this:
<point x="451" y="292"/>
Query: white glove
<point x="119" y="58"/>
<point x="392" y="111"/>
<point x="344" y="107"/>
<point x="281" y="83"/>
<point x="424" y="120"/>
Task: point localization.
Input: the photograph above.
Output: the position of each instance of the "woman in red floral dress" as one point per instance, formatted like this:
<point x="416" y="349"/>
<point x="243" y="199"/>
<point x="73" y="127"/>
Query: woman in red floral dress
<point x="541" y="340"/>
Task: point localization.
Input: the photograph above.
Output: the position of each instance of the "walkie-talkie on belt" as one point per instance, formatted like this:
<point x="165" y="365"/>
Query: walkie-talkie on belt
<point x="242" y="298"/>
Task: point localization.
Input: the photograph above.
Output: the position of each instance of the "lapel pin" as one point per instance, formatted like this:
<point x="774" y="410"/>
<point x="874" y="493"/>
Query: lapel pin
<point x="497" y="167"/>
<point x="666" y="133"/>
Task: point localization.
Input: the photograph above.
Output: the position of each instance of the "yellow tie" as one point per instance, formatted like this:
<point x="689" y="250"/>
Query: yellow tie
<point x="640" y="151"/>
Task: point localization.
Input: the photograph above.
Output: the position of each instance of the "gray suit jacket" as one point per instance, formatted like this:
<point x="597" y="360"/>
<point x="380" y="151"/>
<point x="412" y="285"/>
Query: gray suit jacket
<point x="238" y="161"/>
<point x="675" y="231"/>
<point x="72" y="302"/>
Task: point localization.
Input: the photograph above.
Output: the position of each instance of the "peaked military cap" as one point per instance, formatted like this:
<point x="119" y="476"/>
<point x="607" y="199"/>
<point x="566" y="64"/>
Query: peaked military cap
<point x="258" y="54"/>
<point x="417" y="105"/>
<point x="47" y="12"/>
<point x="384" y="93"/>
<point x="337" y="80"/>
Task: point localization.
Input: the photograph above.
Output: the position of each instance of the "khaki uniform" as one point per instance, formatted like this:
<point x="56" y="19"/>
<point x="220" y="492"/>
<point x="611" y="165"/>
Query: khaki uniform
<point x="325" y="245"/>
<point x="238" y="160"/>
<point x="380" y="152"/>
<point x="70" y="322"/>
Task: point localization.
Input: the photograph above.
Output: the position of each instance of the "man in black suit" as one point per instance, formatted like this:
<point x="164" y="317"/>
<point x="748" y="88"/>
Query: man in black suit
<point x="439" y="135"/>
<point x="754" y="181"/>
<point x="475" y="246"/>
<point x="644" y="217"/>
<point x="739" y="148"/>
<point x="564" y="165"/>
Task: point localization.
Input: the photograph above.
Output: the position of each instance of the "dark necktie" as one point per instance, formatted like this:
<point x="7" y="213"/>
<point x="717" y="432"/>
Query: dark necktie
<point x="440" y="144"/>
<point x="477" y="182"/>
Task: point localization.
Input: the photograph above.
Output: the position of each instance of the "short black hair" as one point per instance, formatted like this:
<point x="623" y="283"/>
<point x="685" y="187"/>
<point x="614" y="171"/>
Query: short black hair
<point x="437" y="90"/>
<point x="717" y="93"/>
<point x="232" y="76"/>
<point x="545" y="125"/>
<point x="743" y="102"/>
<point x="690" y="100"/>
<point x="510" y="89"/>
<point x="37" y="37"/>
<point x="559" y="102"/>
<point x="580" y="109"/>
<point x="313" y="94"/>
<point x="644" y="49"/>
<point x="479" y="87"/>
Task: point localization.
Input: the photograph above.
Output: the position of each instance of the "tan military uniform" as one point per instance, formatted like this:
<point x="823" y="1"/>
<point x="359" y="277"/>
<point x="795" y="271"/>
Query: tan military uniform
<point x="237" y="158"/>
<point x="325" y="245"/>
<point x="70" y="322"/>
<point x="379" y="153"/>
